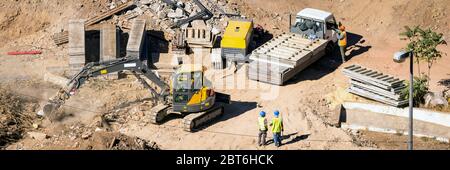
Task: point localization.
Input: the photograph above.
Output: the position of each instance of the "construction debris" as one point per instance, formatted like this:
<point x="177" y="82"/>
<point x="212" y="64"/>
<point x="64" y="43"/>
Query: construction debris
<point x="16" y="115"/>
<point x="63" y="37"/>
<point x="283" y="57"/>
<point x="107" y="14"/>
<point x="375" y="85"/>
<point x="38" y="135"/>
<point x="435" y="100"/>
<point x="122" y="142"/>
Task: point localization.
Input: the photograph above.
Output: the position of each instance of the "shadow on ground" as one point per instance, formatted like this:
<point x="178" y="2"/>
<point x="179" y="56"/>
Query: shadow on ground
<point x="356" y="45"/>
<point x="290" y="139"/>
<point x="445" y="82"/>
<point x="232" y="110"/>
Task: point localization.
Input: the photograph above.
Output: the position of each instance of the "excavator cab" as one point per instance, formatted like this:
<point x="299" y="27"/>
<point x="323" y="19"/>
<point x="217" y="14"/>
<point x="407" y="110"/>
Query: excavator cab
<point x="190" y="91"/>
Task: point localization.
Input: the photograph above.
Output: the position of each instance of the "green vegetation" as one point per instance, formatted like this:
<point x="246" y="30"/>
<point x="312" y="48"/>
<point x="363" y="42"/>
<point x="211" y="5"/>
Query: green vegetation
<point x="420" y="87"/>
<point x="424" y="44"/>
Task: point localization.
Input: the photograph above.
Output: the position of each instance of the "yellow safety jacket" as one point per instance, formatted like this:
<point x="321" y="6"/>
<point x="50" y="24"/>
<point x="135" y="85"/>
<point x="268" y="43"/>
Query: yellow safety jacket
<point x="277" y="125"/>
<point x="343" y="38"/>
<point x="262" y="123"/>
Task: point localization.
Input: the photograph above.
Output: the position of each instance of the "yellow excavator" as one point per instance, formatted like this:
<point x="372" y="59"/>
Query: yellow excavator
<point x="188" y="93"/>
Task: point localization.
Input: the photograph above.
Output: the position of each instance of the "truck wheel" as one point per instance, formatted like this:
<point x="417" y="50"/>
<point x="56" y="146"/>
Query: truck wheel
<point x="330" y="48"/>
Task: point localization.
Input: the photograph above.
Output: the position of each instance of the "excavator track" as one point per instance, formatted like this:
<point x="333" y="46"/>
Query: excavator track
<point x="158" y="113"/>
<point x="194" y="120"/>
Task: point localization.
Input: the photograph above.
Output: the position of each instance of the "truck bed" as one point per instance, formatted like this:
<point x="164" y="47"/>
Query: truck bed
<point x="283" y="57"/>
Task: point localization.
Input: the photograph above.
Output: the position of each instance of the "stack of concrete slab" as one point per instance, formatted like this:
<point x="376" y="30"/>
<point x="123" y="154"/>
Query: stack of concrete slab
<point x="283" y="57"/>
<point x="77" y="50"/>
<point x="136" y="38"/>
<point x="375" y="85"/>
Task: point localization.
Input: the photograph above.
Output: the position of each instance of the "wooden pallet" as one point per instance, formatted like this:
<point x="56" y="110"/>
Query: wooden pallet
<point x="63" y="37"/>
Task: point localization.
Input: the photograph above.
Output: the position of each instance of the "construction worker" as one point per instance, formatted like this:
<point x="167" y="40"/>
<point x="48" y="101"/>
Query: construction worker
<point x="277" y="128"/>
<point x="342" y="36"/>
<point x="262" y="124"/>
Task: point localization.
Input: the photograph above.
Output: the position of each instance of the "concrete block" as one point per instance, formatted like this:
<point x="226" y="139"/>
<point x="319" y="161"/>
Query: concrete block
<point x="77" y="49"/>
<point x="109" y="43"/>
<point x="54" y="79"/>
<point x="136" y="38"/>
<point x="76" y="37"/>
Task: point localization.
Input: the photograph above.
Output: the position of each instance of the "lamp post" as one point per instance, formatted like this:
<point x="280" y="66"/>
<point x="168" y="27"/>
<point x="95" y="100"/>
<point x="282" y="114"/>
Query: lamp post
<point x="401" y="57"/>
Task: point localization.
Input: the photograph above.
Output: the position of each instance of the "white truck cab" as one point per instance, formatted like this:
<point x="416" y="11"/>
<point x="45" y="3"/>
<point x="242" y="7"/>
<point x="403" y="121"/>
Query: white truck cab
<point x="314" y="23"/>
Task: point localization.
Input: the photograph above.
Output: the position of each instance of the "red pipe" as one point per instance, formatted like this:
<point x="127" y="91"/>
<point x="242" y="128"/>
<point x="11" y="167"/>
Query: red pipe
<point x="24" y="52"/>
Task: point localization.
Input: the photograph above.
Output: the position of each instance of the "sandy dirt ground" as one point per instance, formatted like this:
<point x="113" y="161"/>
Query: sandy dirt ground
<point x="306" y="103"/>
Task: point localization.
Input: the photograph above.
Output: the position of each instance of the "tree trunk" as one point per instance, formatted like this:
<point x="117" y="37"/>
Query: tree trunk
<point x="418" y="66"/>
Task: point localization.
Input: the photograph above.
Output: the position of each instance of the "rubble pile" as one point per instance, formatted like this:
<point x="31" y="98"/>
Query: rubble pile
<point x="163" y="14"/>
<point x="80" y="136"/>
<point x="121" y="116"/>
<point x="16" y="115"/>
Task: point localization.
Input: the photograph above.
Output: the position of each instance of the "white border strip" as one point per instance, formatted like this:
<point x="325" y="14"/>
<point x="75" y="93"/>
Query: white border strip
<point x="419" y="114"/>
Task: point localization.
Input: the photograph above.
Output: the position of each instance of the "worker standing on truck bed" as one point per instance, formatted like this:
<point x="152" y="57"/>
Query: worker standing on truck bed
<point x="342" y="36"/>
<point x="277" y="128"/>
<point x="262" y="124"/>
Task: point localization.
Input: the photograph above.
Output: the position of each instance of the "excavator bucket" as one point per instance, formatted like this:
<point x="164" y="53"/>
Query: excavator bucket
<point x="48" y="109"/>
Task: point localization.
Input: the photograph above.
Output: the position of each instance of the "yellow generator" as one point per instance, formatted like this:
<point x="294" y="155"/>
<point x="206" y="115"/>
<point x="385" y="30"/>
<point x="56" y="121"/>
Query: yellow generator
<point x="236" y="39"/>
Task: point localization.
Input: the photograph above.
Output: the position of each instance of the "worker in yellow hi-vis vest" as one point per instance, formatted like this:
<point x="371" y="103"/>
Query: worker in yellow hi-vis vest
<point x="342" y="37"/>
<point x="277" y="128"/>
<point x="262" y="125"/>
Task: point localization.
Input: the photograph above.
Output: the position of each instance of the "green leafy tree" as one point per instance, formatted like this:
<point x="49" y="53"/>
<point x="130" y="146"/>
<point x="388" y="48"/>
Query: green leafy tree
<point x="420" y="87"/>
<point x="413" y="36"/>
<point x="424" y="44"/>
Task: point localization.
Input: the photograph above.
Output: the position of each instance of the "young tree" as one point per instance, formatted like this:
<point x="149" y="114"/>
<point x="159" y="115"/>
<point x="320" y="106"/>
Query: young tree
<point x="413" y="36"/>
<point x="424" y="44"/>
<point x="431" y="40"/>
